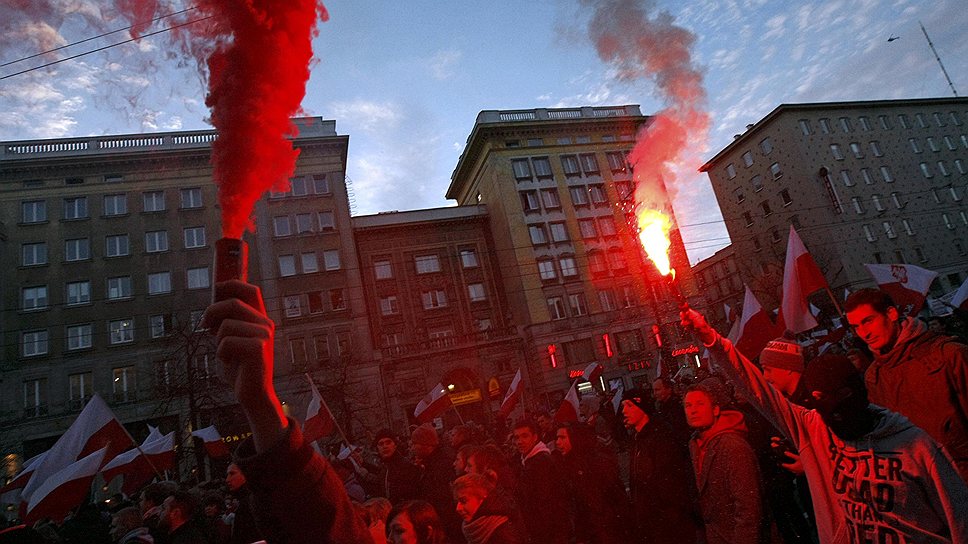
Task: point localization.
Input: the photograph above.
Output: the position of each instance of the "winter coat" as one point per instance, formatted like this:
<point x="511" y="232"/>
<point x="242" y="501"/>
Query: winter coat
<point x="662" y="488"/>
<point x="244" y="527"/>
<point x="137" y="536"/>
<point x="298" y="489"/>
<point x="437" y="475"/>
<point x="493" y="523"/>
<point x="398" y="479"/>
<point x="894" y="484"/>
<point x="187" y="533"/>
<point x="924" y="377"/>
<point x="673" y="415"/>
<point x="728" y="480"/>
<point x="598" y="495"/>
<point x="541" y="498"/>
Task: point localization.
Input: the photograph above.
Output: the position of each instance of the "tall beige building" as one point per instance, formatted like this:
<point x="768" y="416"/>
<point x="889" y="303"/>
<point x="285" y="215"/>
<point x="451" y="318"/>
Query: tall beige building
<point x="862" y="182"/>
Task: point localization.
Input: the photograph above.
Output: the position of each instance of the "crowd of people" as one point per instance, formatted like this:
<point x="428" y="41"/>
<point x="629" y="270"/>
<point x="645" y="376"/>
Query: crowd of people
<point x="793" y="448"/>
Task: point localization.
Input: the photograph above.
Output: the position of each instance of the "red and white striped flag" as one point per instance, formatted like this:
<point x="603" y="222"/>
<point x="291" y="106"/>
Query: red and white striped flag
<point x="435" y="403"/>
<point x="214" y="445"/>
<point x="65" y="489"/>
<point x="512" y="396"/>
<point x="593" y="371"/>
<point x="907" y="284"/>
<point x="95" y="428"/>
<point x="801" y="277"/>
<point x="569" y="409"/>
<point x="960" y="300"/>
<point x="10" y="493"/>
<point x="755" y="329"/>
<point x="139" y="466"/>
<point x="319" y="420"/>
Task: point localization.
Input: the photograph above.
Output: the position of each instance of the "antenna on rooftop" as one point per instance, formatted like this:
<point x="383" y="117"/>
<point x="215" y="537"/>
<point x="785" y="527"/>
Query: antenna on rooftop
<point x="938" y="58"/>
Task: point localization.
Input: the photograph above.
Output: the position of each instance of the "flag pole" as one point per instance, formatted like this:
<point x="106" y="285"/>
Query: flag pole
<point x="833" y="299"/>
<point x="460" y="417"/>
<point x="328" y="411"/>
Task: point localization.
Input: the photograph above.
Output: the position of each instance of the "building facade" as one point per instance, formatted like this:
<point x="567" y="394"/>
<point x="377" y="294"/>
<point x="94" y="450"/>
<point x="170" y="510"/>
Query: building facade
<point x="720" y="283"/>
<point x="862" y="182"/>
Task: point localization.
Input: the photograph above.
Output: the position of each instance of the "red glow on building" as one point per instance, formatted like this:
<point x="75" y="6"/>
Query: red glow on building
<point x="572" y="374"/>
<point x="608" y="344"/>
<point x="553" y="355"/>
<point x="658" y="337"/>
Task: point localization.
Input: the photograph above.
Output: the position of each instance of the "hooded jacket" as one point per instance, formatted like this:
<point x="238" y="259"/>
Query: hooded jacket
<point x="541" y="498"/>
<point x="894" y="484"/>
<point x="728" y="479"/>
<point x="493" y="523"/>
<point x="924" y="377"/>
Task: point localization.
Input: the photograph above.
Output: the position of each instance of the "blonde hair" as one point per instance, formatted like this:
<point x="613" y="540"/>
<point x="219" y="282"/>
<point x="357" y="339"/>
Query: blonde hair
<point x="480" y="482"/>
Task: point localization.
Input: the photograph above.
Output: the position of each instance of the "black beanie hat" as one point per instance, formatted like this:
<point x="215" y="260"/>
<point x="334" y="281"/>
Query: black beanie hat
<point x="640" y="398"/>
<point x="385" y="433"/>
<point x="831" y="373"/>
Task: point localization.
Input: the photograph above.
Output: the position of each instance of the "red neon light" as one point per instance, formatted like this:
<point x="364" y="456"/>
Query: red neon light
<point x="608" y="344"/>
<point x="658" y="337"/>
<point x="572" y="374"/>
<point x="552" y="353"/>
<point x="685" y="351"/>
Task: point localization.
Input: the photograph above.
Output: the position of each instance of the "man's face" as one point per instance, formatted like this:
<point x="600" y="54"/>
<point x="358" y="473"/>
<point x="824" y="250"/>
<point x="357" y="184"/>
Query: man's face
<point x="632" y="415"/>
<point x="700" y="411"/>
<point x="234" y="478"/>
<point x="785" y="381"/>
<point x="563" y="441"/>
<point x="545" y="423"/>
<point x="422" y="451"/>
<point x="524" y="440"/>
<point x="386" y="447"/>
<point x="878" y="330"/>
<point x="468" y="501"/>
<point x="661" y="391"/>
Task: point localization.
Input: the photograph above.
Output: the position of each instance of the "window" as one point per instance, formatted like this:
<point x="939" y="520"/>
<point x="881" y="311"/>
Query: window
<point x="954" y="118"/>
<point x="624" y="190"/>
<point x="34" y="211"/>
<point x="926" y="170"/>
<point x="865" y="123"/>
<point x="559" y="233"/>
<point x="907" y="227"/>
<point x="75" y="208"/>
<point x="383" y="270"/>
<point x="943" y="169"/>
<point x="121" y="331"/>
<point x="766" y="146"/>
<point x="427" y="264"/>
<point x="730" y="171"/>
<point x="588" y="163"/>
<point x="886" y="174"/>
<point x="845" y="124"/>
<point x="33" y="343"/>
<point x="765" y="206"/>
<point x="389" y="305"/>
<point x="869" y="234"/>
<point x="475" y="292"/>
<point x="914" y="145"/>
<point x="932" y="145"/>
<point x="938" y="119"/>
<point x="123" y="384"/>
<point x="785" y="197"/>
<point x="434" y="299"/>
<point x="535" y="142"/>
<point x="756" y="244"/>
<point x="587" y="228"/>
<point x="577" y="304"/>
<point x="775" y="170"/>
<point x="521" y="169"/>
<point x="876" y="149"/>
<point x="529" y="201"/>
<point x="902" y="119"/>
<point x="304" y="223"/>
<point x="748" y="217"/>
<point x="866" y="174"/>
<point x="321" y="343"/>
<point x="921" y="122"/>
<point x="895" y="197"/>
<point x="597" y="263"/>
<point x="837" y="153"/>
<point x="740" y="197"/>
<point x="316" y="302"/>
<point x="889" y="229"/>
<point x="857" y="150"/>
<point x="899" y="256"/>
<point x="327" y="222"/>
<point x="35" y="397"/>
<point x="33" y="254"/>
<point x="569" y="164"/>
<point x="568" y="267"/>
<point x="825" y="125"/>
<point x="950" y="143"/>
<point x="298" y="186"/>
<point x="159" y="325"/>
<point x="805" y="127"/>
<point x="537" y="234"/>
<point x="194" y="237"/>
<point x="606" y="226"/>
<point x="954" y="194"/>
<point x="550" y="198"/>
<point x="115" y="204"/>
<point x="885" y="122"/>
<point x="468" y="258"/>
<point x="321" y="184"/>
<point x="542" y="168"/>
<point x="191" y="197"/>
<point x="960" y="166"/>
<point x="628" y="296"/>
<point x="159" y="283"/>
<point x="198" y="278"/>
<point x="876" y="200"/>
<point x="33" y="298"/>
<point x="546" y="269"/>
<point x="919" y="253"/>
<point x="280" y="225"/>
<point x="774" y="237"/>
<point x="337" y="299"/>
<point x="757" y="182"/>
<point x="579" y="196"/>
<point x="748" y="158"/>
<point x="858" y="205"/>
<point x="292" y="305"/>
<point x="119" y="287"/>
<point x="331" y="259"/>
<point x="116" y="245"/>
<point x="616" y="161"/>
<point x="597" y="193"/>
<point x="153" y="201"/>
<point x="79" y="336"/>
<point x="308" y="262"/>
<point x="287" y="265"/>
<point x="616" y="259"/>
<point x="947" y="221"/>
<point x="78" y="292"/>
<point x="556" y="308"/>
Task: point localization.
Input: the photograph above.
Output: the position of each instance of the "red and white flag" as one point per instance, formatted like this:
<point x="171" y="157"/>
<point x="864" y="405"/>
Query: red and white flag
<point x="801" y="277"/>
<point x="755" y="329"/>
<point x="512" y="396"/>
<point x="95" y="428"/>
<point x="435" y="403"/>
<point x="960" y="299"/>
<point x="569" y="409"/>
<point x="10" y="493"/>
<point x="65" y="489"/>
<point x="907" y="284"/>
<point x="593" y="371"/>
<point x="139" y="466"/>
<point x="214" y="445"/>
<point x="319" y="420"/>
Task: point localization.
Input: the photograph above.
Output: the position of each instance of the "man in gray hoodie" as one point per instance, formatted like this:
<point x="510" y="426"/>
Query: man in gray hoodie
<point x="874" y="476"/>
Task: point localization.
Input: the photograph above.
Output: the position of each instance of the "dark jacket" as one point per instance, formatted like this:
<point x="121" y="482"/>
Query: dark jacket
<point x="301" y="493"/>
<point x="924" y="377"/>
<point x="396" y="479"/>
<point x="728" y="480"/>
<point x="672" y="413"/>
<point x="598" y="495"/>
<point x="663" y="488"/>
<point x="188" y="533"/>
<point x="541" y="498"/>
<point x="438" y="473"/>
<point x="494" y="510"/>
<point x="244" y="527"/>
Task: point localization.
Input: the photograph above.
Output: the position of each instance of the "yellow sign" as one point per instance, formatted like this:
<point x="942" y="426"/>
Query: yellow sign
<point x="466" y="397"/>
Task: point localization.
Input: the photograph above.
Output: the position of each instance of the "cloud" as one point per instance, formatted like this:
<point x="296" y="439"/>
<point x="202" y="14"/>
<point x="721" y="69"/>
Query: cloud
<point x="444" y="63"/>
<point x="367" y="115"/>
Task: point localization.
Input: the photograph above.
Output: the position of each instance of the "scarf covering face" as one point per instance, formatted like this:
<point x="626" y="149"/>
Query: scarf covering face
<point x="480" y="529"/>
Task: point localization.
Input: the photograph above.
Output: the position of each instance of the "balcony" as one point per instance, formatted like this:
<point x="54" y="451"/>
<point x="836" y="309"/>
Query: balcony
<point x="447" y="343"/>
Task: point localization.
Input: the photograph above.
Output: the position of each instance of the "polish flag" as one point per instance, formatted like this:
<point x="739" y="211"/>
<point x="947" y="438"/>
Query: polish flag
<point x="319" y="420"/>
<point x="756" y="328"/>
<point x="435" y="403"/>
<point x="65" y="489"/>
<point x="801" y="277"/>
<point x="568" y="411"/>
<point x="10" y="493"/>
<point x="139" y="466"/>
<point x="95" y="428"/>
<point x="593" y="371"/>
<point x="512" y="397"/>
<point x="907" y="284"/>
<point x="617" y="399"/>
<point x="960" y="300"/>
<point x="214" y="445"/>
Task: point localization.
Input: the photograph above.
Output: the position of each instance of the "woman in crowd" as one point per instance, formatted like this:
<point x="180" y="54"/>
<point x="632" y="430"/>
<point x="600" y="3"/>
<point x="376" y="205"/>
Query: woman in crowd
<point x="415" y="522"/>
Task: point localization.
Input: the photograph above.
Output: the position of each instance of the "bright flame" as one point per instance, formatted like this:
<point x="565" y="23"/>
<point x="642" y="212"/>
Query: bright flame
<point x="654" y="227"/>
